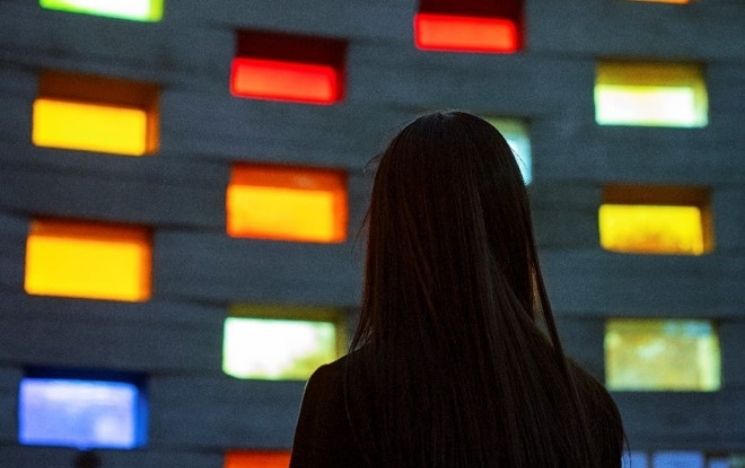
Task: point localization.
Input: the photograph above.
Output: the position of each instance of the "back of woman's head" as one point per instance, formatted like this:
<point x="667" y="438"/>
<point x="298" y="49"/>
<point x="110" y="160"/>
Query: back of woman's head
<point x="450" y="366"/>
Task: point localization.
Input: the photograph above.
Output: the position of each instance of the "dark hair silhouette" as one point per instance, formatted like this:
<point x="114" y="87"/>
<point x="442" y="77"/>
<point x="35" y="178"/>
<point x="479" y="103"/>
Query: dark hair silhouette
<point x="456" y="361"/>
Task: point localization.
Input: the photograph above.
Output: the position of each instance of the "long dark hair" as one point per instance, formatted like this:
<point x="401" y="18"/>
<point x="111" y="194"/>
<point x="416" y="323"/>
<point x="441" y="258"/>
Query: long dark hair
<point x="456" y="361"/>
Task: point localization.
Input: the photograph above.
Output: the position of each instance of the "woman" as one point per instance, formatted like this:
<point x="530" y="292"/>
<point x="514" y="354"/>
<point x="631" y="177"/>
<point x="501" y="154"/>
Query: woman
<point x="456" y="361"/>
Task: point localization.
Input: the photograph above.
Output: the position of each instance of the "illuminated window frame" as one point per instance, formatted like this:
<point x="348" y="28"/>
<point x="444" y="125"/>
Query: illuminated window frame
<point x="650" y="94"/>
<point x="97" y="94"/>
<point x="295" y="182"/>
<point x="287" y="67"/>
<point x="333" y="316"/>
<point x="710" y="378"/>
<point x="138" y="10"/>
<point x="661" y="196"/>
<point x="257" y="458"/>
<point x="677" y="2"/>
<point x="469" y="26"/>
<point x="44" y="263"/>
<point x="139" y="409"/>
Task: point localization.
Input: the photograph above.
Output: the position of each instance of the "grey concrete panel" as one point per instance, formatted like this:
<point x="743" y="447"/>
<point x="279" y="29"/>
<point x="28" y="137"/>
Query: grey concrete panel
<point x="682" y="420"/>
<point x="150" y="190"/>
<point x="13" y="233"/>
<point x="10" y="379"/>
<point x="597" y="283"/>
<point x="701" y="30"/>
<point x="223" y="412"/>
<point x="582" y="340"/>
<point x="155" y="336"/>
<point x="731" y="336"/>
<point x="207" y="266"/>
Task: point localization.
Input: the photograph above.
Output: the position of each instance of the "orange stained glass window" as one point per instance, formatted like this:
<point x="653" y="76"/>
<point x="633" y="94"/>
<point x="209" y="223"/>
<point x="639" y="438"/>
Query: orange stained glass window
<point x="257" y="459"/>
<point x="434" y="31"/>
<point x="88" y="260"/>
<point x="679" y="2"/>
<point x="92" y="113"/>
<point x="288" y="67"/>
<point x="655" y="220"/>
<point x="287" y="203"/>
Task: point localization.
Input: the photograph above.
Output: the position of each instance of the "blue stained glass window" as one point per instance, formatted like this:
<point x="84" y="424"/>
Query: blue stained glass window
<point x="678" y="459"/>
<point x="81" y="413"/>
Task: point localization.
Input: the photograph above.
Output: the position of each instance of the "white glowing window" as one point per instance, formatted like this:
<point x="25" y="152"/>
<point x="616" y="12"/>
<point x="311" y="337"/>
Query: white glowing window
<point x="278" y="348"/>
<point x="650" y="94"/>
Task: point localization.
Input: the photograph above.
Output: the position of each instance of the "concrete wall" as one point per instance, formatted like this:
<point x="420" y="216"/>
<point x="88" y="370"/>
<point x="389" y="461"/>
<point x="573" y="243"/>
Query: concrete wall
<point x="196" y="412"/>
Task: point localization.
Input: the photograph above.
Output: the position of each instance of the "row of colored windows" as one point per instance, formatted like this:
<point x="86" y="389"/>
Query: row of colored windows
<point x="121" y="117"/>
<point x="86" y="410"/>
<point x="107" y="261"/>
<point x="441" y="25"/>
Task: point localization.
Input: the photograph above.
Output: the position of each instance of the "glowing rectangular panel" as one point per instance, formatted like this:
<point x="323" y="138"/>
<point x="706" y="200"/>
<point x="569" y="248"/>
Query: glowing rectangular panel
<point x="137" y="10"/>
<point x="516" y="133"/>
<point x="80" y="413"/>
<point x="679" y="2"/>
<point x="90" y="127"/>
<point x="678" y="459"/>
<point x="88" y="260"/>
<point x="662" y="355"/>
<point x="651" y="229"/>
<point x="650" y="94"/>
<point x="285" y="203"/>
<point x="267" y="343"/>
<point x="456" y="33"/>
<point x="257" y="459"/>
<point x="635" y="459"/>
<point x="285" y="81"/>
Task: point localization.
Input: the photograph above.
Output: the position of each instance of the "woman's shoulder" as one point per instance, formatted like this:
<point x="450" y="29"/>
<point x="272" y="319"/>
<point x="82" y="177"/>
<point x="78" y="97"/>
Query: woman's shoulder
<point x="329" y="375"/>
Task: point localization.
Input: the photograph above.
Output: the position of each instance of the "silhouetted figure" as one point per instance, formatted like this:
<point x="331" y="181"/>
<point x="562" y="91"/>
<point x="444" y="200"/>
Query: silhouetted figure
<point x="456" y="361"/>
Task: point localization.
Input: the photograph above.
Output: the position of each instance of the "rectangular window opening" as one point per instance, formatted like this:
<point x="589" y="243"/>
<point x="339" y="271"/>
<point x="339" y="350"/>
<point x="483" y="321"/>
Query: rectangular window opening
<point x="662" y="355"/>
<point x="677" y="2"/>
<point x="257" y="458"/>
<point x="662" y="220"/>
<point x="88" y="260"/>
<point x="287" y="203"/>
<point x="280" y="343"/>
<point x="650" y="94"/>
<point x="678" y="459"/>
<point x="84" y="410"/>
<point x="288" y="67"/>
<point x="515" y="131"/>
<point x="89" y="113"/>
<point x="475" y="26"/>
<point x="134" y="10"/>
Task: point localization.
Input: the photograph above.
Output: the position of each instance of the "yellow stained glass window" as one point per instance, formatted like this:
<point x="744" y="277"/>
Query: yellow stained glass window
<point x="655" y="220"/>
<point x="650" y="94"/>
<point x="286" y="203"/>
<point x="89" y="113"/>
<point x="279" y="343"/>
<point x="662" y="355"/>
<point x="88" y="260"/>
<point x="651" y="229"/>
<point x="90" y="127"/>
